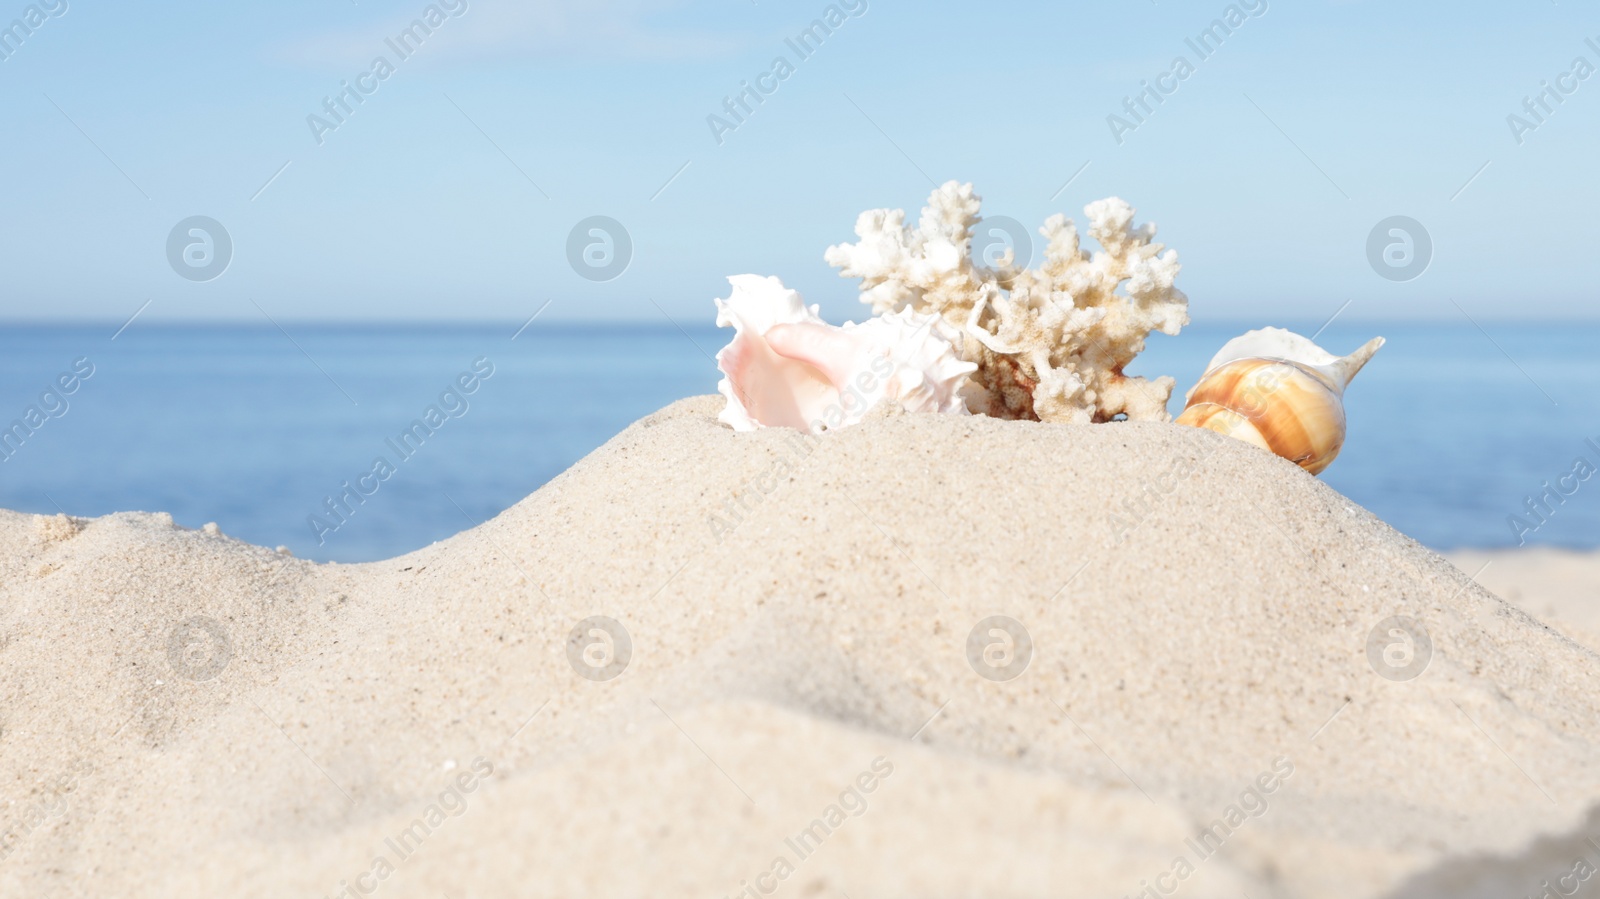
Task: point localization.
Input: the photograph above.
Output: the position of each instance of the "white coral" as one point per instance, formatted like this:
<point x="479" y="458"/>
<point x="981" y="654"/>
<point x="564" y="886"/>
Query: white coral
<point x="1049" y="343"/>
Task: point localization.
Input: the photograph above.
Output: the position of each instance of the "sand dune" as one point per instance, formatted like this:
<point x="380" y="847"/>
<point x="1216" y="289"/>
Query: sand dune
<point x="1559" y="587"/>
<point x="799" y="713"/>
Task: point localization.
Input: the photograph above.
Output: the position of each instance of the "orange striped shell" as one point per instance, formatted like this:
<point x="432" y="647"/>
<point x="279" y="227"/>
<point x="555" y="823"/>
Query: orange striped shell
<point x="1278" y="406"/>
<point x="1279" y="391"/>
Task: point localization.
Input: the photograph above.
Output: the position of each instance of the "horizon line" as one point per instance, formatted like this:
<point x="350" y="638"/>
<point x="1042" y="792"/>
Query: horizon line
<point x="657" y="321"/>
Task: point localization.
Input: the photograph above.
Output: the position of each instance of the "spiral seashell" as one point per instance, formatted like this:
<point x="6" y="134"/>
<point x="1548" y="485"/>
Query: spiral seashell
<point x="786" y="367"/>
<point x="1279" y="391"/>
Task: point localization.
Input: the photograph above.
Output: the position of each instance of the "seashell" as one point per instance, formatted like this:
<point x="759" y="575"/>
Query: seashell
<point x="1279" y="391"/>
<point x="786" y="367"/>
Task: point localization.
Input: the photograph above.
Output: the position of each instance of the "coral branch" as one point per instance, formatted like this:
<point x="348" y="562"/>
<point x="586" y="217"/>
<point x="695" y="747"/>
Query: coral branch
<point x="1050" y="343"/>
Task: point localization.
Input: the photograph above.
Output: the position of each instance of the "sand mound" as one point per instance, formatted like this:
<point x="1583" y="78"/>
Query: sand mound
<point x="800" y="711"/>
<point x="1560" y="587"/>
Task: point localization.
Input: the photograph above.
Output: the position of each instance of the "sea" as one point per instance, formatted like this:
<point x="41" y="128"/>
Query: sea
<point x="1453" y="428"/>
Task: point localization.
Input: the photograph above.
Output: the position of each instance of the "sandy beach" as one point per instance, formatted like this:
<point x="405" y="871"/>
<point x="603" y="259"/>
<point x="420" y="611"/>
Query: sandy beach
<point x="790" y="693"/>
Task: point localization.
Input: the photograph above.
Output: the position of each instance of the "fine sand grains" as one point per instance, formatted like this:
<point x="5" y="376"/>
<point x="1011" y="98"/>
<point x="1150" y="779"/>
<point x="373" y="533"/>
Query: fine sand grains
<point x="799" y="713"/>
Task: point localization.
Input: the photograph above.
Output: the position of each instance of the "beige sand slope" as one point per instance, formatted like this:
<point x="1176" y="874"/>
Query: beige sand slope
<point x="415" y="728"/>
<point x="1560" y="587"/>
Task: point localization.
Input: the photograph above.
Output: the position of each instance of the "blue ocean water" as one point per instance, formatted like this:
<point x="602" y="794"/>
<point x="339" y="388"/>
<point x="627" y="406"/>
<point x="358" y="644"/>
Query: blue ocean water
<point x="1450" y="427"/>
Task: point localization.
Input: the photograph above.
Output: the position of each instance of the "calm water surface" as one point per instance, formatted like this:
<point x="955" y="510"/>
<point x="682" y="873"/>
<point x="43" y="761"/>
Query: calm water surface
<point x="1450" y="428"/>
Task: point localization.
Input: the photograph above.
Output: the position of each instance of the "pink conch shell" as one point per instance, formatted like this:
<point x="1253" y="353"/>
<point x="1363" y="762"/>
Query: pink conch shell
<point x="786" y="367"/>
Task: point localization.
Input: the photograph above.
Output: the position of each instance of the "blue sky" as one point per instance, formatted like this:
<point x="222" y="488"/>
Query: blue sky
<point x="451" y="191"/>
